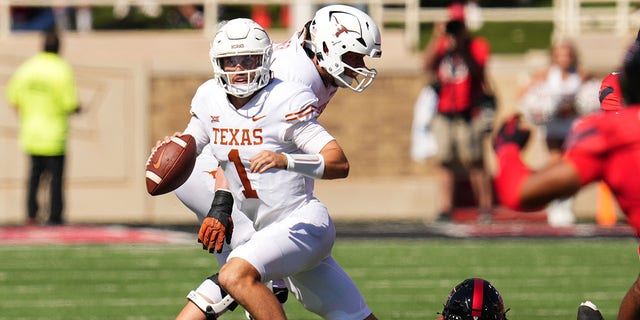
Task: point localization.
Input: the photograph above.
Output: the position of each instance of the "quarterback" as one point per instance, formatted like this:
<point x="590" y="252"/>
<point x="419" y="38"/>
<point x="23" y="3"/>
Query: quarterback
<point x="264" y="135"/>
<point x="300" y="59"/>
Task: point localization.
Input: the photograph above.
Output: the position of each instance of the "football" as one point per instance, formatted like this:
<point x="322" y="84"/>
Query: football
<point x="170" y="164"/>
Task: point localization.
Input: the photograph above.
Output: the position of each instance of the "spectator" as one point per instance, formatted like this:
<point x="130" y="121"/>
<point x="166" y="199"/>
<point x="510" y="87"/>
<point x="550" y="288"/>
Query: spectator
<point x="548" y="101"/>
<point x="458" y="63"/>
<point x="32" y="18"/>
<point x="43" y="91"/>
<point x="193" y="14"/>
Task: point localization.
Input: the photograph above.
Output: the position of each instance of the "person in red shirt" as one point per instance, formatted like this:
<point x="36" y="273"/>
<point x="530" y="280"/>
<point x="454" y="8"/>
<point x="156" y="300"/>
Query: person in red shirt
<point x="602" y="146"/>
<point x="458" y="64"/>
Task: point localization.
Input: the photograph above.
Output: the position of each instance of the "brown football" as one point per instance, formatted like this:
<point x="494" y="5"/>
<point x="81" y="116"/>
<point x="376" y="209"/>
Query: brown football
<point x="170" y="164"/>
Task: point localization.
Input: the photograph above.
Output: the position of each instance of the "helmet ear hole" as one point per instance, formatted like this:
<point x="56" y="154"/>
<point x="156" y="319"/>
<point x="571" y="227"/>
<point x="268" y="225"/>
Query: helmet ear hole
<point x="325" y="49"/>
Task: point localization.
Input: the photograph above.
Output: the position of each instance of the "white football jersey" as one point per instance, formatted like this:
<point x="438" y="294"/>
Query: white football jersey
<point x="291" y="63"/>
<point x="281" y="118"/>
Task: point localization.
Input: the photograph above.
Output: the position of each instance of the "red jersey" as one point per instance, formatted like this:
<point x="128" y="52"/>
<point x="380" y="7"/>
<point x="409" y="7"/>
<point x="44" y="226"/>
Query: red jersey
<point x="458" y="89"/>
<point x="610" y="98"/>
<point x="606" y="146"/>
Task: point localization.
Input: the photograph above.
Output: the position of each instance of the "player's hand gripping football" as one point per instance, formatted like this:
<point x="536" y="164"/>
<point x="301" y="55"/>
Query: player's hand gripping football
<point x="511" y="132"/>
<point x="218" y="225"/>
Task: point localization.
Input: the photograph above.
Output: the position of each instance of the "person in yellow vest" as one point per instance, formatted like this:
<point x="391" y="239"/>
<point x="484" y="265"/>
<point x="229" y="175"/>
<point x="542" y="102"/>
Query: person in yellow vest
<point x="43" y="92"/>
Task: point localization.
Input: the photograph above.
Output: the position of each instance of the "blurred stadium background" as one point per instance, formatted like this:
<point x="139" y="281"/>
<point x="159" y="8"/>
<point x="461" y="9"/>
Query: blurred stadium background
<point x="137" y="76"/>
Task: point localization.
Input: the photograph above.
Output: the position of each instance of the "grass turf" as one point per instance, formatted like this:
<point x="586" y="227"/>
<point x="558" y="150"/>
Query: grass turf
<point x="400" y="279"/>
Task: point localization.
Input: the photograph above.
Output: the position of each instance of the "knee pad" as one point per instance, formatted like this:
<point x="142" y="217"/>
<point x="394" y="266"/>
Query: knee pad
<point x="210" y="290"/>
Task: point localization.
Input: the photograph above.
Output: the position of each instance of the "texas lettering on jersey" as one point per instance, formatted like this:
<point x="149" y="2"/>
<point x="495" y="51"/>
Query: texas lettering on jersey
<point x="237" y="137"/>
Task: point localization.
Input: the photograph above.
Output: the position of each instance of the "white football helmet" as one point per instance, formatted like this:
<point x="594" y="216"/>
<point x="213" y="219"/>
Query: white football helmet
<point x="338" y="29"/>
<point x="241" y="37"/>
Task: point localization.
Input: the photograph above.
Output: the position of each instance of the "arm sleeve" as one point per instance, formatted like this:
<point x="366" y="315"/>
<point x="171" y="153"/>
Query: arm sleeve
<point x="197" y="131"/>
<point x="310" y="137"/>
<point x="196" y="127"/>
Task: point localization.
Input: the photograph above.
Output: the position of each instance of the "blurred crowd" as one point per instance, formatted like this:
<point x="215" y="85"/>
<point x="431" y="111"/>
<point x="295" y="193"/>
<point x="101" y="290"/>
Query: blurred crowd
<point x="126" y="14"/>
<point x="454" y="113"/>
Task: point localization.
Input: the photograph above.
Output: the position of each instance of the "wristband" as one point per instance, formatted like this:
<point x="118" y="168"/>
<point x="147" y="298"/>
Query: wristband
<point x="222" y="205"/>
<point x="311" y="165"/>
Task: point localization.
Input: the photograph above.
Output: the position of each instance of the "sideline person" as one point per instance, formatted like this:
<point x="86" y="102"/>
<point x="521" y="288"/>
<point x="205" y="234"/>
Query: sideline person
<point x="43" y="92"/>
<point x="458" y="62"/>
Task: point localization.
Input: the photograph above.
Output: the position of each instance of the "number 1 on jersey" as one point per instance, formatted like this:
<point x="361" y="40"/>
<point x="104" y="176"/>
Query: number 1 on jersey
<point x="249" y="192"/>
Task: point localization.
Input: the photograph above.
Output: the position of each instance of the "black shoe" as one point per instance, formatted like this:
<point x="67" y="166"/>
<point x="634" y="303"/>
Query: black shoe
<point x="588" y="311"/>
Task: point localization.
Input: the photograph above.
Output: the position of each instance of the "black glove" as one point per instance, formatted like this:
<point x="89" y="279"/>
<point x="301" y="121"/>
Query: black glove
<point x="511" y="132"/>
<point x="218" y="225"/>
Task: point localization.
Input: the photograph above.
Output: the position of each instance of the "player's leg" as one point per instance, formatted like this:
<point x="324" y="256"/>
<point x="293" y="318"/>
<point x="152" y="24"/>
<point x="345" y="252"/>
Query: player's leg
<point x="243" y="281"/>
<point x="297" y="243"/>
<point x="56" y="169"/>
<point x="37" y="168"/>
<point x="442" y="130"/>
<point x="470" y="144"/>
<point x="329" y="292"/>
<point x="630" y="305"/>
<point x="209" y="292"/>
<point x="208" y="301"/>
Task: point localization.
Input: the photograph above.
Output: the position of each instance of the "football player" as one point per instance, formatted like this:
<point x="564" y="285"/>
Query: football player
<point x="602" y="146"/>
<point x="474" y="299"/>
<point x="328" y="53"/>
<point x="264" y="135"/>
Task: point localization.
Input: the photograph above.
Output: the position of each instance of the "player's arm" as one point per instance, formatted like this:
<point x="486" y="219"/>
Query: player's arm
<point x="630" y="305"/>
<point x="336" y="165"/>
<point x="329" y="163"/>
<point x="319" y="156"/>
<point x="520" y="188"/>
<point x="559" y="180"/>
<point x="218" y="225"/>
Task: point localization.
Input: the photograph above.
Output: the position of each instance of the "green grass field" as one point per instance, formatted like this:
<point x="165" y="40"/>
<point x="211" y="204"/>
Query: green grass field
<point x="400" y="279"/>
